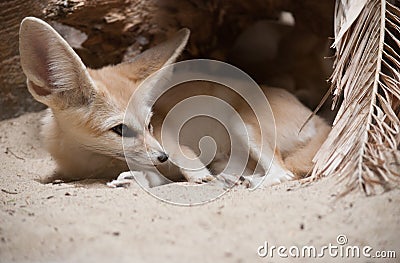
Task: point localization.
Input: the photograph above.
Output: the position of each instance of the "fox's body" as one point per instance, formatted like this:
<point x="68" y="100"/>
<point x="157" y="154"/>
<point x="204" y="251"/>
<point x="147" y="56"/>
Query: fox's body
<point x="84" y="123"/>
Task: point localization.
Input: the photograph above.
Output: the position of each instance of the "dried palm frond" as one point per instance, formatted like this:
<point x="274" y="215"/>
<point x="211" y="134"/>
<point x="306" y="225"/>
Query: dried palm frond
<point x="363" y="146"/>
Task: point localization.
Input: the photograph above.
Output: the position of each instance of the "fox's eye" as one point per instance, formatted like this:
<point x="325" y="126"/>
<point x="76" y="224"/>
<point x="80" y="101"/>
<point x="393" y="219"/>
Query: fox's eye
<point x="150" y="127"/>
<point x="123" y="130"/>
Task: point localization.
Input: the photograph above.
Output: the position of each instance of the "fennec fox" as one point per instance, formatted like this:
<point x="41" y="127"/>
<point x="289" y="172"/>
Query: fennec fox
<point x="85" y="121"/>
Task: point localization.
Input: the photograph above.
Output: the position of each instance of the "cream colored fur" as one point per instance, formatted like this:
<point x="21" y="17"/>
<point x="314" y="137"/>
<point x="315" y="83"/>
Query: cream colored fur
<point x="85" y="104"/>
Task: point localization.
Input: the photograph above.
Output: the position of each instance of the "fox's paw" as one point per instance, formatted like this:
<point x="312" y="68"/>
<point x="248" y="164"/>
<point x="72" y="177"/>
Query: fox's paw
<point x="201" y="179"/>
<point x="230" y="180"/>
<point x="124" y="179"/>
<point x="198" y="177"/>
<point x="267" y="180"/>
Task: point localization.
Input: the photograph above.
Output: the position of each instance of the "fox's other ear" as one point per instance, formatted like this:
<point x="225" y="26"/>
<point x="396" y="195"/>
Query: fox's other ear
<point x="155" y="58"/>
<point x="54" y="71"/>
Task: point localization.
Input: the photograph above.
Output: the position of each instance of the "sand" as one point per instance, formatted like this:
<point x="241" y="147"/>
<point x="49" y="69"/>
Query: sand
<point x="90" y="222"/>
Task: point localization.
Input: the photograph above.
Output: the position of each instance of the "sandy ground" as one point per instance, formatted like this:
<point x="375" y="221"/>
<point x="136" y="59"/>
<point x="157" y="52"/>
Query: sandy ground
<point x="89" y="222"/>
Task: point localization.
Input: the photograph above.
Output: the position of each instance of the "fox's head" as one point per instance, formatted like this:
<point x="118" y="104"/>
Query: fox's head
<point x="89" y="105"/>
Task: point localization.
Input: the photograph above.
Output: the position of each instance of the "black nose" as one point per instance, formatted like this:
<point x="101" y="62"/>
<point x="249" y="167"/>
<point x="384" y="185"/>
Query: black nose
<point x="163" y="157"/>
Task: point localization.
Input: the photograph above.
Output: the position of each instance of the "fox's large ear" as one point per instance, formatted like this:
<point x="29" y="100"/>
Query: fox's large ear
<point x="155" y="58"/>
<point x="54" y="71"/>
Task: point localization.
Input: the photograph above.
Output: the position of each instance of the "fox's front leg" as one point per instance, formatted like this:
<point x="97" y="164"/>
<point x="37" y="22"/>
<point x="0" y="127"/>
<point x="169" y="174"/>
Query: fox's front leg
<point x="274" y="173"/>
<point x="191" y="166"/>
<point x="270" y="169"/>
